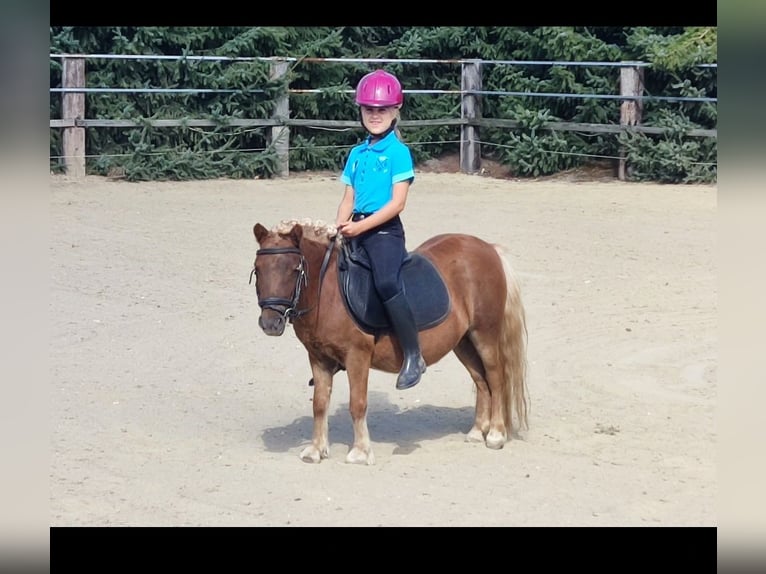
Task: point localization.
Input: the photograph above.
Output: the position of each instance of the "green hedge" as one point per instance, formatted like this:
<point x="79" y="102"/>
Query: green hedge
<point x="147" y="153"/>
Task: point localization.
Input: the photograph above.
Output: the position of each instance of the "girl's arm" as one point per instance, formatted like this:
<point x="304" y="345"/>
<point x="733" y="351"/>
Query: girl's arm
<point x="346" y="206"/>
<point x="390" y="210"/>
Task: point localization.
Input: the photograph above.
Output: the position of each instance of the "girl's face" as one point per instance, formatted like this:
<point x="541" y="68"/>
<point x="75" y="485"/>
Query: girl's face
<point x="378" y="120"/>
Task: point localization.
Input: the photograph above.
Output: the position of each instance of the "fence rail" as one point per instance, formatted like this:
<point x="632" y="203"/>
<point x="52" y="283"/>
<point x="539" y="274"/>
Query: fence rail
<point x="482" y="123"/>
<point x="74" y="123"/>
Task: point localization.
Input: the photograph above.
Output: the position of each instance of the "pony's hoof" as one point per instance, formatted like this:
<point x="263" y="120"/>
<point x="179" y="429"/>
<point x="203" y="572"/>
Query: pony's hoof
<point x="495" y="440"/>
<point x="474" y="435"/>
<point x="312" y="454"/>
<point x="358" y="456"/>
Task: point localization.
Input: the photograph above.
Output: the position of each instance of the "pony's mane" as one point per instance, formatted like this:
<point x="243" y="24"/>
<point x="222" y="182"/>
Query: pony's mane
<point x="316" y="230"/>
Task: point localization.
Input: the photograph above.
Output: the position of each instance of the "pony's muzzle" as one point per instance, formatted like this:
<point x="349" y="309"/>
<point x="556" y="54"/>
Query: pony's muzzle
<point x="273" y="325"/>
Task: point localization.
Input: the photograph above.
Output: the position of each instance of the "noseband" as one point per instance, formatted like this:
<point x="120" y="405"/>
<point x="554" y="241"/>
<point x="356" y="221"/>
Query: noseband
<point x="285" y="307"/>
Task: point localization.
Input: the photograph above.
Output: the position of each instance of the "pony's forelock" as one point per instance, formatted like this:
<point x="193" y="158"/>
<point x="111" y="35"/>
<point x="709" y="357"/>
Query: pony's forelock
<point x="317" y="230"/>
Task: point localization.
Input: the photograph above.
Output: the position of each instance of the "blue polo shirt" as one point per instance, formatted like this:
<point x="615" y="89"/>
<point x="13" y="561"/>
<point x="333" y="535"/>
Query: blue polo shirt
<point x="372" y="170"/>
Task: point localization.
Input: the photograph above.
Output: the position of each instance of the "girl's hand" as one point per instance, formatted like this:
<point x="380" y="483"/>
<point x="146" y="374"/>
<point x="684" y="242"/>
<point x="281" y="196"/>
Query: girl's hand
<point x="349" y="228"/>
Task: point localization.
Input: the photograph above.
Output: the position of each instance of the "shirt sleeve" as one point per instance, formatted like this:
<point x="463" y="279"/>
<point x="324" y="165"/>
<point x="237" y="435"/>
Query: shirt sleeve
<point x="347" y="176"/>
<point x="403" y="167"/>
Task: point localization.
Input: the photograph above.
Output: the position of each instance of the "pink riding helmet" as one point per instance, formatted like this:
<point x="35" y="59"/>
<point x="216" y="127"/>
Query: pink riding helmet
<point x="379" y="89"/>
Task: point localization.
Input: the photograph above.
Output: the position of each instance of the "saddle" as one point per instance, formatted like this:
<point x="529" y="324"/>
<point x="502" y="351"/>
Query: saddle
<point x="424" y="289"/>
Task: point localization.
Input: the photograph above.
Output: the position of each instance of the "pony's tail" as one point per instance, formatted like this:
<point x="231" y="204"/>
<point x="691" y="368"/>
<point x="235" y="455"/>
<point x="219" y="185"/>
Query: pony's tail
<point x="514" y="349"/>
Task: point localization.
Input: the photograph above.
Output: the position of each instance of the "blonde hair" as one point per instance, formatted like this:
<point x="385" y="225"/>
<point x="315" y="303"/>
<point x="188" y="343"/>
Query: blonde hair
<point x="396" y="127"/>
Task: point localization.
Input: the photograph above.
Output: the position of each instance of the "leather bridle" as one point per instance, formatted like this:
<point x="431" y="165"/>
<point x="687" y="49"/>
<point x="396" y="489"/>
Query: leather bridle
<point x="285" y="307"/>
<point x="274" y="303"/>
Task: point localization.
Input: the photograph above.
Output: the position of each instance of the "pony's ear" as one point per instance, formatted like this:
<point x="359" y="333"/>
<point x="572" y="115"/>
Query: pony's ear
<point x="296" y="234"/>
<point x="260" y="232"/>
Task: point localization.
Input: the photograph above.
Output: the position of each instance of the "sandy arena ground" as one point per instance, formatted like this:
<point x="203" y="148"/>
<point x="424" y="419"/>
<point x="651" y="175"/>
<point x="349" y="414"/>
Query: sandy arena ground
<point x="170" y="407"/>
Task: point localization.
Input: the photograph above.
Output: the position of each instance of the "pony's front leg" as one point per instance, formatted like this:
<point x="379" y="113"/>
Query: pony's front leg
<point x="320" y="443"/>
<point x="358" y="375"/>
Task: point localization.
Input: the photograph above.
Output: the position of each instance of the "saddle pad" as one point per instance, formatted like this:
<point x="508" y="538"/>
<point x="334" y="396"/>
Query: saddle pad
<point x="424" y="290"/>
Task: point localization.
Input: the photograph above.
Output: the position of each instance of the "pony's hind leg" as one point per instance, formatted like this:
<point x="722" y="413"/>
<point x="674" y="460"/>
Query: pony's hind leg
<point x="320" y="445"/>
<point x="466" y="354"/>
<point x="484" y="362"/>
<point x="491" y="358"/>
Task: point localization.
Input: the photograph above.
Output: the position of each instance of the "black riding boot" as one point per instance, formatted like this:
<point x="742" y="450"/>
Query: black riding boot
<point x="403" y="322"/>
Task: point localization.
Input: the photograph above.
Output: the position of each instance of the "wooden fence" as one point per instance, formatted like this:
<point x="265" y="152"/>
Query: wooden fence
<point x="74" y="123"/>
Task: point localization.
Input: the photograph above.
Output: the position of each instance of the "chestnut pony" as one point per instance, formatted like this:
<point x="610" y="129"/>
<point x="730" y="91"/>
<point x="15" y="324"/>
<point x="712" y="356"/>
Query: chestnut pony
<point x="296" y="280"/>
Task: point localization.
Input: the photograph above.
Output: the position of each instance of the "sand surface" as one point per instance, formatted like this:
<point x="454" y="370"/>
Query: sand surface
<point x="170" y="407"/>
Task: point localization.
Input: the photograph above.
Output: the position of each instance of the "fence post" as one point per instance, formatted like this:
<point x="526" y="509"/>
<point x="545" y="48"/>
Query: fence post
<point x="73" y="108"/>
<point x="632" y="85"/>
<point x="470" y="108"/>
<point x="280" y="135"/>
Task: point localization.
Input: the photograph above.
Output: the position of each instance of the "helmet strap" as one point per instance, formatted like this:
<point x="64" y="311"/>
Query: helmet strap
<point x="391" y="128"/>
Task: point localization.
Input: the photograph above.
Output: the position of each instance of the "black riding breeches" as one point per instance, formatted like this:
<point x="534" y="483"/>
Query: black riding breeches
<point x="385" y="247"/>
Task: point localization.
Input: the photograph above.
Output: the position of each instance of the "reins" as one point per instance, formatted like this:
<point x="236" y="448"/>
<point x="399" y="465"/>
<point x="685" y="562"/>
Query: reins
<point x="290" y="312"/>
<point x="325" y="263"/>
